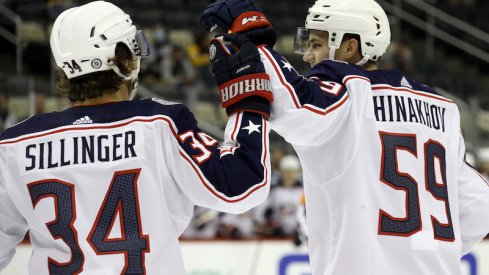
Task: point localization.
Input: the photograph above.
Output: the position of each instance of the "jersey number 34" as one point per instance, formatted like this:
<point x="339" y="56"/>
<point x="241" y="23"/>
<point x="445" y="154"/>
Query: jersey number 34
<point x="121" y="199"/>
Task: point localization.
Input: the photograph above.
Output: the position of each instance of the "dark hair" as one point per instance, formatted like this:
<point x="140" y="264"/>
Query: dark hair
<point x="348" y="36"/>
<point x="355" y="36"/>
<point x="94" y="85"/>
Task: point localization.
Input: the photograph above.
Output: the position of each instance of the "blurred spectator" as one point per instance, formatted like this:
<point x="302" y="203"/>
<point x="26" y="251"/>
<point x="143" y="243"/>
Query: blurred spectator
<point x="236" y="226"/>
<point x="177" y="70"/>
<point x="204" y="224"/>
<point x="301" y="236"/>
<point x="161" y="49"/>
<point x="280" y="215"/>
<point x="7" y="119"/>
<point x="198" y="52"/>
<point x="399" y="56"/>
<point x="40" y="104"/>
<point x="180" y="75"/>
<point x="169" y="69"/>
<point x="160" y="36"/>
<point x="403" y="58"/>
<point x="276" y="155"/>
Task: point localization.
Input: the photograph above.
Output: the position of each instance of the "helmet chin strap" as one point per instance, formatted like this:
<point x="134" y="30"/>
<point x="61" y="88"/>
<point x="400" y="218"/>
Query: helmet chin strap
<point x="135" y="85"/>
<point x="364" y="60"/>
<point x="133" y="77"/>
<point x="332" y="52"/>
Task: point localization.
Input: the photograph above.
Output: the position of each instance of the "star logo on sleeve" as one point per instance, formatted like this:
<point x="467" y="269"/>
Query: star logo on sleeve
<point x="287" y="65"/>
<point x="252" y="127"/>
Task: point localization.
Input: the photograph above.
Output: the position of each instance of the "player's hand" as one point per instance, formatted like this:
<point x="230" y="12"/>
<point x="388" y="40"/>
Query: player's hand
<point x="240" y="16"/>
<point x="243" y="83"/>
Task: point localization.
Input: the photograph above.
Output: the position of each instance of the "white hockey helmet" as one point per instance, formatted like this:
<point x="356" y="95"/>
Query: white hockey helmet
<point x="290" y="162"/>
<point x="83" y="40"/>
<point x="338" y="17"/>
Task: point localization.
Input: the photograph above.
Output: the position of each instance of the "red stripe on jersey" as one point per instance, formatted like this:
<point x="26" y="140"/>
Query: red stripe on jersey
<point x="326" y="85"/>
<point x="420" y="93"/>
<point x="233" y="137"/>
<point x="350" y="77"/>
<point x="329" y="109"/>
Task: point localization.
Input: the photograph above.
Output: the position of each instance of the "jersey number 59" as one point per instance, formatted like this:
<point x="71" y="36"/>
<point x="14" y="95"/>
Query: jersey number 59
<point x="391" y="176"/>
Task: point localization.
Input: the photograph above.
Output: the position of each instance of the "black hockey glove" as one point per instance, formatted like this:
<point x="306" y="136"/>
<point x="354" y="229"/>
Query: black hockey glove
<point x="241" y="16"/>
<point x="243" y="83"/>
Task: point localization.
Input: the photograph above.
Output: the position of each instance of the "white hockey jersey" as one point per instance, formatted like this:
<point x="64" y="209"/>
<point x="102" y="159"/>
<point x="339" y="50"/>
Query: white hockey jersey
<point x="108" y="189"/>
<point x="386" y="185"/>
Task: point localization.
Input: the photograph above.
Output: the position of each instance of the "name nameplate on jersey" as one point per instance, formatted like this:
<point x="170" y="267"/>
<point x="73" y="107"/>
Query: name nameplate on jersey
<point x="84" y="147"/>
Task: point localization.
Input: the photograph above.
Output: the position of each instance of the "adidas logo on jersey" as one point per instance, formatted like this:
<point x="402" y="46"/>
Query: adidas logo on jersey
<point x="405" y="83"/>
<point x="83" y="120"/>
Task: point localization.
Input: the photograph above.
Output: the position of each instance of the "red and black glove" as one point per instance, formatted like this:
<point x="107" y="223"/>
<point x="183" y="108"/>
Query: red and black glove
<point x="243" y="83"/>
<point x="241" y="16"/>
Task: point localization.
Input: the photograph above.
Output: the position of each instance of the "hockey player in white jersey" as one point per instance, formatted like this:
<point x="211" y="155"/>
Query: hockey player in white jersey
<point x="386" y="185"/>
<point x="108" y="185"/>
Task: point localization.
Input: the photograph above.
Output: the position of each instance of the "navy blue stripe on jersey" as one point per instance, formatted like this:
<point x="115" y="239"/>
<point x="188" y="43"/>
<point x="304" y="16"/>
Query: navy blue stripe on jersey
<point x="320" y="91"/>
<point x="95" y="114"/>
<point x="230" y="173"/>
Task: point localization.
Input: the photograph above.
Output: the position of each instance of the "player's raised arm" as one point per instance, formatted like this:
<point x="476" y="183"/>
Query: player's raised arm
<point x="235" y="176"/>
<point x="320" y="97"/>
<point x="323" y="98"/>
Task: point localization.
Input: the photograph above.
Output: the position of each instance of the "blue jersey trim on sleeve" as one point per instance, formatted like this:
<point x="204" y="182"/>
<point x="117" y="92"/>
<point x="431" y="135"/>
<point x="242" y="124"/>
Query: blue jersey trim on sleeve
<point x="231" y="174"/>
<point x="321" y="91"/>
